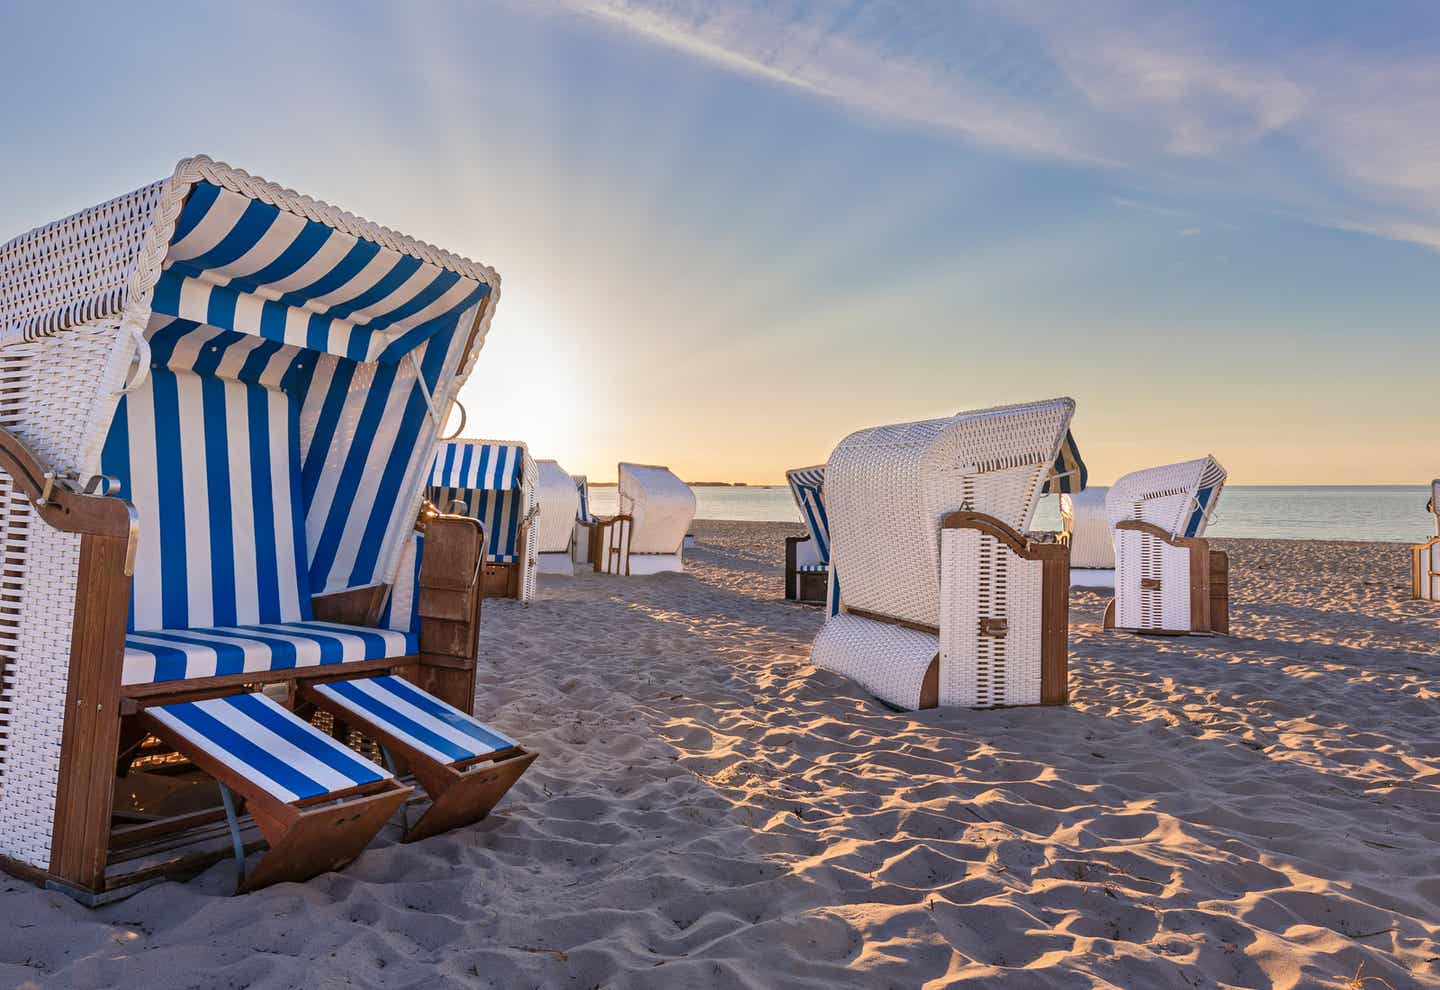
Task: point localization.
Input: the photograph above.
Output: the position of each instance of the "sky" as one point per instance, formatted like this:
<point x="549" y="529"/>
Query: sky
<point x="731" y="232"/>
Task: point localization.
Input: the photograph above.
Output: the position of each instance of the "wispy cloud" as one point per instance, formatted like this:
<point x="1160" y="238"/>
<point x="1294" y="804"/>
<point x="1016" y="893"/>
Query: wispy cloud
<point x="1335" y="135"/>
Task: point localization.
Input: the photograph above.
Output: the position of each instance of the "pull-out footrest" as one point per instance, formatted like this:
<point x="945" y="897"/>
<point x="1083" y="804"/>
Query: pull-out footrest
<point x="465" y="766"/>
<point x="317" y="803"/>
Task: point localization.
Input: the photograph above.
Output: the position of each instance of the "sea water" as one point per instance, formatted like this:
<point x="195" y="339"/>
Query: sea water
<point x="1369" y="513"/>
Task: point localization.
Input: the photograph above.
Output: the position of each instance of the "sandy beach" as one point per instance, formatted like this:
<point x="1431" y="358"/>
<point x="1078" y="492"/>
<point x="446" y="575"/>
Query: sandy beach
<point x="711" y="811"/>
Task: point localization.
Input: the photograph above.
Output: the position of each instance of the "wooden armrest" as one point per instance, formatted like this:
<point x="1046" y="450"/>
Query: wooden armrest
<point x="59" y="505"/>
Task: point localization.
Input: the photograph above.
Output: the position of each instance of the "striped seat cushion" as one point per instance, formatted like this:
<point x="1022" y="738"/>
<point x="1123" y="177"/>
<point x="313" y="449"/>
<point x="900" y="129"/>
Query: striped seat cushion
<point x="177" y="654"/>
<point x="415" y="717"/>
<point x="812" y="568"/>
<point x="267" y="745"/>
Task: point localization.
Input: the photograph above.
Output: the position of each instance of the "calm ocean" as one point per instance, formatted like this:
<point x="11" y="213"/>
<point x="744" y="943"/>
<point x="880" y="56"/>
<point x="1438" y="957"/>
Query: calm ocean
<point x="1300" y="513"/>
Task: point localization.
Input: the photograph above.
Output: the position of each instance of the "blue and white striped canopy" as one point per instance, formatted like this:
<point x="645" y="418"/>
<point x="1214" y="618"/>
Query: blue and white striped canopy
<point x="279" y="445"/>
<point x="481" y="465"/>
<point x="1069" y="474"/>
<point x="237" y="263"/>
<point x="808" y="487"/>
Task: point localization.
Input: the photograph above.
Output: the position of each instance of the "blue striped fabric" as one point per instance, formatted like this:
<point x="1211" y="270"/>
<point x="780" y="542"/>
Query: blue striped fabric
<point x="1069" y="474"/>
<point x="278" y="447"/>
<point x="418" y="718"/>
<point x="240" y="264"/>
<point x="476" y="464"/>
<point x="289" y="759"/>
<point x="160" y="655"/>
<point x="807" y="485"/>
<point x="209" y="453"/>
<point x="583" y="487"/>
<point x="812" y="568"/>
<point x="402" y="608"/>
<point x="486" y="476"/>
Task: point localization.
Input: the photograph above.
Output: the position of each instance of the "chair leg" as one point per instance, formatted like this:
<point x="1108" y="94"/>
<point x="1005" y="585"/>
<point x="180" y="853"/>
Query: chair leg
<point x="464" y="797"/>
<point x="306" y="842"/>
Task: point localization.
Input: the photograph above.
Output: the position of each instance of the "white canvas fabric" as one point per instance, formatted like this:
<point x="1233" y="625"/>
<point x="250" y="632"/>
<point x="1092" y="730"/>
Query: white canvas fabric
<point x="661" y="504"/>
<point x="559" y="504"/>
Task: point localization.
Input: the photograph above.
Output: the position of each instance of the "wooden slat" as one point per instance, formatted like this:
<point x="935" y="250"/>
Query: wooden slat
<point x="90" y="737"/>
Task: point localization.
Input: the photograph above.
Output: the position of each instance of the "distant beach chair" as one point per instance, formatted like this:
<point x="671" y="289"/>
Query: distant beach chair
<point x="647" y="535"/>
<point x="584" y="522"/>
<point x="1086" y="528"/>
<point x="1167" y="579"/>
<point x="1425" y="557"/>
<point x="945" y="601"/>
<point x="559" y="501"/>
<point x="493" y="481"/>
<point x="222" y="405"/>
<point x="807" y="558"/>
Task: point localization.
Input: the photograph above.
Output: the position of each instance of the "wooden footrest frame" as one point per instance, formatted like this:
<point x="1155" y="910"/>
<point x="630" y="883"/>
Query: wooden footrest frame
<point x="317" y="802"/>
<point x="465" y="766"/>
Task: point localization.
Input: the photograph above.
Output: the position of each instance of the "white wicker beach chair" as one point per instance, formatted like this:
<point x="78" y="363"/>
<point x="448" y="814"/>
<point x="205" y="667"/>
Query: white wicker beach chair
<point x="221" y="410"/>
<point x="559" y="501"/>
<point x="1425" y="557"/>
<point x="807" y="558"/>
<point x="1086" y="528"/>
<point x="1167" y="579"/>
<point x="945" y="601"/>
<point x="582" y="544"/>
<point x="647" y="536"/>
<point x="493" y="481"/>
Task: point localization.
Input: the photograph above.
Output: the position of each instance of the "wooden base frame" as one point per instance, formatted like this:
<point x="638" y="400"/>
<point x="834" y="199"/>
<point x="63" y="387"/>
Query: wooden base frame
<point x="500" y="580"/>
<point x="806" y="587"/>
<point x="306" y="838"/>
<point x="1209" y="580"/>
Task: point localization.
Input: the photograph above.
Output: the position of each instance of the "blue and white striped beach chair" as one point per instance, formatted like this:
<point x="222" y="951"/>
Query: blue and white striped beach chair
<point x="226" y="401"/>
<point x="807" y="558"/>
<point x="317" y="803"/>
<point x="493" y="481"/>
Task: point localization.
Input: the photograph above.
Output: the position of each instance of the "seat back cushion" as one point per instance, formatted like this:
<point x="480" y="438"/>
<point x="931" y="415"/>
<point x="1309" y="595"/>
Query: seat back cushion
<point x="499" y="512"/>
<point x="208" y="451"/>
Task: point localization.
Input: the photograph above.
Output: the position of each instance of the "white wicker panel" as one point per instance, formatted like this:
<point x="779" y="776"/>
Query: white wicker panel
<point x="1142" y="558"/>
<point x="1084" y="520"/>
<point x="530" y="552"/>
<point x="27" y="798"/>
<point x="14" y="530"/>
<point x="75" y="270"/>
<point x="981" y="579"/>
<point x="887" y="660"/>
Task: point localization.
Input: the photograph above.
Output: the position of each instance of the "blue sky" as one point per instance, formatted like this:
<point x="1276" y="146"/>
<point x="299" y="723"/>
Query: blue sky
<point x="732" y="232"/>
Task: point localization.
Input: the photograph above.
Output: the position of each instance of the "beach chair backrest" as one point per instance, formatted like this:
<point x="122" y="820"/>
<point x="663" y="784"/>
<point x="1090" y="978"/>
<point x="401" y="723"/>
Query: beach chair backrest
<point x="582" y="489"/>
<point x="495" y="480"/>
<point x="559" y="505"/>
<point x="661" y="505"/>
<point x="1179" y="498"/>
<point x="888" y="488"/>
<point x="293" y="363"/>
<point x="807" y="485"/>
